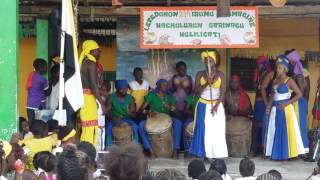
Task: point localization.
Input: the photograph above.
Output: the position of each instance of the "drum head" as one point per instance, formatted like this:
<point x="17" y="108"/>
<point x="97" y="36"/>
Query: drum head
<point x="122" y="131"/>
<point x="158" y="123"/>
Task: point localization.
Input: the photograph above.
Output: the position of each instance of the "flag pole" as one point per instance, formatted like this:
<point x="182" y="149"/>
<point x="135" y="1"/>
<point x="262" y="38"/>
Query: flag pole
<point x="62" y="122"/>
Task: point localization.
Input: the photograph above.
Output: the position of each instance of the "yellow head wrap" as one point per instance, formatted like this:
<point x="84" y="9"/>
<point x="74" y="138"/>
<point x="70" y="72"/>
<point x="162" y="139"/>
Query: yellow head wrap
<point x="70" y="135"/>
<point x="211" y="54"/>
<point x="88" y="46"/>
<point x="7" y="148"/>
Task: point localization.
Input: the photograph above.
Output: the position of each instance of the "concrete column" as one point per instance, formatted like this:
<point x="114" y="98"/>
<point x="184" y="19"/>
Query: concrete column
<point x="9" y="68"/>
<point x="42" y="38"/>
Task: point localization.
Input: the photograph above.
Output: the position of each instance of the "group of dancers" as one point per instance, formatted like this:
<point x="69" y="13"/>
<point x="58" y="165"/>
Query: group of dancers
<point x="280" y="110"/>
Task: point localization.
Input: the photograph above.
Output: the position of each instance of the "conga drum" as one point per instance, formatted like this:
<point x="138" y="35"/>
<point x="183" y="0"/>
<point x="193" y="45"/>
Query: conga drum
<point x="238" y="135"/>
<point x="189" y="134"/>
<point x="159" y="129"/>
<point x="122" y="134"/>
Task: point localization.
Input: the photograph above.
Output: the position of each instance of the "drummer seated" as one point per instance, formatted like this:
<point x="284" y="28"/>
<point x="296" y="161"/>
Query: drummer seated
<point x="122" y="109"/>
<point x="237" y="100"/>
<point x="160" y="102"/>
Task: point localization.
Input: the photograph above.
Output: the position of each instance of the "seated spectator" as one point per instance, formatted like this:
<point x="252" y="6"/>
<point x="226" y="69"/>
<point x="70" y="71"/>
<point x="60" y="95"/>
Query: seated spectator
<point x="7" y="159"/>
<point x="67" y="135"/>
<point x="131" y="166"/>
<point x="210" y="175"/>
<point x="91" y="152"/>
<point x="275" y="173"/>
<point x="246" y="168"/>
<point x="195" y="168"/>
<point x="220" y="166"/>
<point x="44" y="163"/>
<point x="40" y="142"/>
<point x="267" y="176"/>
<point x="170" y="174"/>
<point x="24" y="130"/>
<point x="69" y="167"/>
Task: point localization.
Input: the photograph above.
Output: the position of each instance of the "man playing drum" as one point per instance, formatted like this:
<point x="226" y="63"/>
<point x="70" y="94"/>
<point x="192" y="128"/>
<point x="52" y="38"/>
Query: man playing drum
<point x="239" y="126"/>
<point x="209" y="137"/>
<point x="237" y="100"/>
<point x="160" y="102"/>
<point x="123" y="109"/>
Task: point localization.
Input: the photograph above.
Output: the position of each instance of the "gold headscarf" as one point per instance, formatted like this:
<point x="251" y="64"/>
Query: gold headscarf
<point x="7" y="148"/>
<point x="88" y="46"/>
<point x="211" y="54"/>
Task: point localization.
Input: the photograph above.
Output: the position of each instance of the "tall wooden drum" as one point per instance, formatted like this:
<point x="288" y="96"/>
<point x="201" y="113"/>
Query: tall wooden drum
<point x="122" y="134"/>
<point x="238" y="135"/>
<point x="159" y="129"/>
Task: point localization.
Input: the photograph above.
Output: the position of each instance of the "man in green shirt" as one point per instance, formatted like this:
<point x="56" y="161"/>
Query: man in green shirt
<point x="160" y="102"/>
<point x="122" y="109"/>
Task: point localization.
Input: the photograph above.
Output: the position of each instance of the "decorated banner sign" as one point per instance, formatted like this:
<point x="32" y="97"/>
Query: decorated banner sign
<point x="198" y="27"/>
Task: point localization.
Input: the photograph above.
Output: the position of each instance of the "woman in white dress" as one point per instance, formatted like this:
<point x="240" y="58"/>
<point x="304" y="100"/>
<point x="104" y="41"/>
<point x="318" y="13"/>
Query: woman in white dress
<point x="209" y="138"/>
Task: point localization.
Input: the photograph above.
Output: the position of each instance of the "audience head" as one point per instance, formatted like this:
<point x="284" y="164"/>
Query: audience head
<point x="162" y="85"/>
<point x="137" y="73"/>
<point x="39" y="128"/>
<point x="210" y="175"/>
<point x="67" y="135"/>
<point x="69" y="166"/>
<point x="181" y="68"/>
<point x="195" y="168"/>
<point x="267" y="176"/>
<point x="7" y="156"/>
<point x="89" y="149"/>
<point x="40" y="65"/>
<point x="53" y="126"/>
<point x="125" y="163"/>
<point x="169" y="174"/>
<point x="219" y="165"/>
<point x="23" y="125"/>
<point x="121" y="87"/>
<point x="246" y="167"/>
<point x="275" y="173"/>
<point x="44" y="160"/>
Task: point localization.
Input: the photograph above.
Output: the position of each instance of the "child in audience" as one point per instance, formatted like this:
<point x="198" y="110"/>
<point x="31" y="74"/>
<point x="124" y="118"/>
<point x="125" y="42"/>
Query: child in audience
<point x="41" y="140"/>
<point x="220" y="166"/>
<point x="246" y="168"/>
<point x="276" y="173"/>
<point x="67" y="135"/>
<point x="195" y="168"/>
<point x="24" y="130"/>
<point x="69" y="166"/>
<point x="210" y="175"/>
<point x="44" y="163"/>
<point x="38" y="88"/>
<point x="91" y="152"/>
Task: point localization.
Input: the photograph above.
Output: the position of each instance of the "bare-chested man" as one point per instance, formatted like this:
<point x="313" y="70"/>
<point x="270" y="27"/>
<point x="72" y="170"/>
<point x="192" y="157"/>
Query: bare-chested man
<point x="89" y="111"/>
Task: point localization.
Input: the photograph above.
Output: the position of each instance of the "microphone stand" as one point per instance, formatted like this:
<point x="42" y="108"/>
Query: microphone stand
<point x="210" y="83"/>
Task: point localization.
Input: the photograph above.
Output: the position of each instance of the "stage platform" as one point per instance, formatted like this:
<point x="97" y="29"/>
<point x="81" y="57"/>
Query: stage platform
<point x="290" y="170"/>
